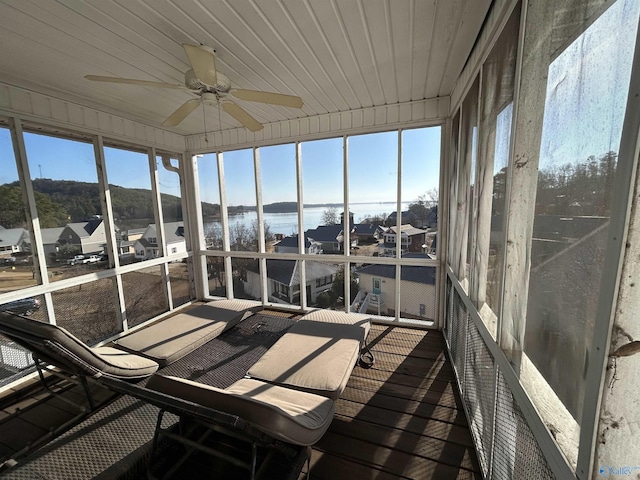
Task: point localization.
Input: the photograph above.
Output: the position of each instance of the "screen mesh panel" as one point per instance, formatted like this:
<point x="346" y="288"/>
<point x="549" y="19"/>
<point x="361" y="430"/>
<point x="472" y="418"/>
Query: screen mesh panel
<point x="460" y="318"/>
<point x="516" y="453"/>
<point x="145" y="296"/>
<point x="88" y="310"/>
<point x="479" y="393"/>
<point x="181" y="287"/>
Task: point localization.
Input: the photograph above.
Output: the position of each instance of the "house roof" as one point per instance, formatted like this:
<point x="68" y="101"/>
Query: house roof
<point x="325" y="233"/>
<point x="87" y="228"/>
<point x="146" y="243"/>
<point x="409" y="273"/>
<point x="405" y="214"/>
<point x="321" y="234"/>
<point x="173" y="232"/>
<point x="408" y="229"/>
<point x="292" y="241"/>
<point x="366" y="229"/>
<point x="51" y="236"/>
<point x="13" y="236"/>
<point x="287" y="272"/>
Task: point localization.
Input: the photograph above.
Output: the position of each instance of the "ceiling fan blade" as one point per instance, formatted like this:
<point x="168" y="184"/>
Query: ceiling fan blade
<point x="181" y="113"/>
<point x="132" y="81"/>
<point x="203" y="62"/>
<point x="242" y="116"/>
<point x="268" y="97"/>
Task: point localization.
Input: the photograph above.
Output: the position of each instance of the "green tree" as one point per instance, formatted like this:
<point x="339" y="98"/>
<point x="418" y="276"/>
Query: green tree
<point x="332" y="296"/>
<point x="11" y="213"/>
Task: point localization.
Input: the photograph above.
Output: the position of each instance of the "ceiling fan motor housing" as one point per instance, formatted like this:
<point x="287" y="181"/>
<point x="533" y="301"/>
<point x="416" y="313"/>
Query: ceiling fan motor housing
<point x="223" y="85"/>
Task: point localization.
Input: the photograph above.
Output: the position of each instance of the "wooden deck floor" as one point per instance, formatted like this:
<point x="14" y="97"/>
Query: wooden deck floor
<point x="402" y="418"/>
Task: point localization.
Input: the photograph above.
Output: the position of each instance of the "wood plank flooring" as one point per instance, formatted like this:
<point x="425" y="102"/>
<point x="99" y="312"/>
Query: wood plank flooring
<point x="402" y="418"/>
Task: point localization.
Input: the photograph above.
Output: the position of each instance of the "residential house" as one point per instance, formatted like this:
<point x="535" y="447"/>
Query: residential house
<point x="412" y="239"/>
<point x="417" y="290"/>
<point x="290" y="245"/>
<point x="408" y="217"/>
<point x="14" y="240"/>
<point x="126" y="242"/>
<point x="89" y="237"/>
<point x="367" y="232"/>
<point x="51" y="241"/>
<point x="147" y="246"/>
<point x="330" y="237"/>
<point x="283" y="280"/>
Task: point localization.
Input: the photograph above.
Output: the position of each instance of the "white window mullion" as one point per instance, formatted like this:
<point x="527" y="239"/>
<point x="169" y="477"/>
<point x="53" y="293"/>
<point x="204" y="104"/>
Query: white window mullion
<point x="191" y="193"/>
<point x="301" y="239"/>
<point x="160" y="234"/>
<point x="398" y="227"/>
<point x="224" y="220"/>
<point x="260" y="219"/>
<point x="110" y="228"/>
<point x="346" y="225"/>
<point x="31" y="213"/>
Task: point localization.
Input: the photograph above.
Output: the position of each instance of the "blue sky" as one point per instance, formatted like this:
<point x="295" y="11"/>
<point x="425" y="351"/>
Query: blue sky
<point x="372" y="174"/>
<point x="373" y="165"/>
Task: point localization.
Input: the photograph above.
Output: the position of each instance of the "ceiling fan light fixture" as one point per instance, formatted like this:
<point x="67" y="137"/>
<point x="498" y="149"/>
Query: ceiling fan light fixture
<point x="203" y="80"/>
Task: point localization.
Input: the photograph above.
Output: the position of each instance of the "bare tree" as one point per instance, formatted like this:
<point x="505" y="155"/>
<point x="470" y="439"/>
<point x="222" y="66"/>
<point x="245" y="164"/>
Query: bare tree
<point x="330" y="216"/>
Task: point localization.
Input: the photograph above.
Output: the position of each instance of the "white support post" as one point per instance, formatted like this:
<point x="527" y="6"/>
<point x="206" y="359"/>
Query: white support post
<point x="346" y="224"/>
<point x="192" y="200"/>
<point x="398" y="255"/>
<point x="160" y="234"/>
<point x="31" y="213"/>
<point x="110" y="228"/>
<point x="442" y="234"/>
<point x="610" y="424"/>
<point x="224" y="221"/>
<point x="530" y="93"/>
<point x="301" y="237"/>
<point x="260" y="219"/>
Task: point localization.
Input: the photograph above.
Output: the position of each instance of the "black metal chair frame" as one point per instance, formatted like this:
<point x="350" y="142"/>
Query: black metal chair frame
<point x="47" y="353"/>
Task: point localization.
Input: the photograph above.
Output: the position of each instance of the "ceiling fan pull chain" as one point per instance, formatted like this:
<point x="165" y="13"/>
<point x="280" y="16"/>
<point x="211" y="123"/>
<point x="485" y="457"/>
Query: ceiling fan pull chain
<point x="204" y="121"/>
<point x="219" y="117"/>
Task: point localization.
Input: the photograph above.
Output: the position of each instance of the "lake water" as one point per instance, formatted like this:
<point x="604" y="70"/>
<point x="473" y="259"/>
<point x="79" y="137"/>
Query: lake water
<point x="287" y="223"/>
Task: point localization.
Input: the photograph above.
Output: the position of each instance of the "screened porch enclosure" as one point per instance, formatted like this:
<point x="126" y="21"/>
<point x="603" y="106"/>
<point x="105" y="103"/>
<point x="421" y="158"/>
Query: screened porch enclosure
<point x="502" y="213"/>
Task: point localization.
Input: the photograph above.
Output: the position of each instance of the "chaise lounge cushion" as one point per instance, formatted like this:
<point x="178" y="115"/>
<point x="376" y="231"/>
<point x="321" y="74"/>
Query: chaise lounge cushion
<point x="334" y="316"/>
<point x="63" y="349"/>
<point x="289" y="415"/>
<point x="313" y="356"/>
<point x="171" y="339"/>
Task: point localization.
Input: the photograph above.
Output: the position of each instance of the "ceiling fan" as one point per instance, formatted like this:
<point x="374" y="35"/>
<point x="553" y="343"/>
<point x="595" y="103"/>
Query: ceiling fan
<point x="210" y="86"/>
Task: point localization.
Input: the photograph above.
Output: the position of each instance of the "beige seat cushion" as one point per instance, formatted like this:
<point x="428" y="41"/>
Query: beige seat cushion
<point x="333" y="316"/>
<point x="125" y="362"/>
<point x="173" y="338"/>
<point x="313" y="356"/>
<point x="289" y="415"/>
<point x="63" y="349"/>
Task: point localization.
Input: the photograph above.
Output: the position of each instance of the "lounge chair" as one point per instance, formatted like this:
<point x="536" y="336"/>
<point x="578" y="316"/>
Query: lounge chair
<point x="273" y="417"/>
<point x="171" y="339"/>
<point x="317" y="354"/>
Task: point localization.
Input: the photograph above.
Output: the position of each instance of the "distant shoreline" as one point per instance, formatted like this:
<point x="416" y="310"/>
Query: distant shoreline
<point x="288" y="207"/>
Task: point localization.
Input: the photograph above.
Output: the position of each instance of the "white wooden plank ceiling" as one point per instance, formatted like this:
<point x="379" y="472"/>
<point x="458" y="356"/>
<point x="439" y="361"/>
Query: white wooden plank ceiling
<point x="338" y="55"/>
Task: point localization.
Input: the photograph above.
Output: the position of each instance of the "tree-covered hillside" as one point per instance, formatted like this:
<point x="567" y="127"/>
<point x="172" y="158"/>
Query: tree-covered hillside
<point x="61" y="201"/>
